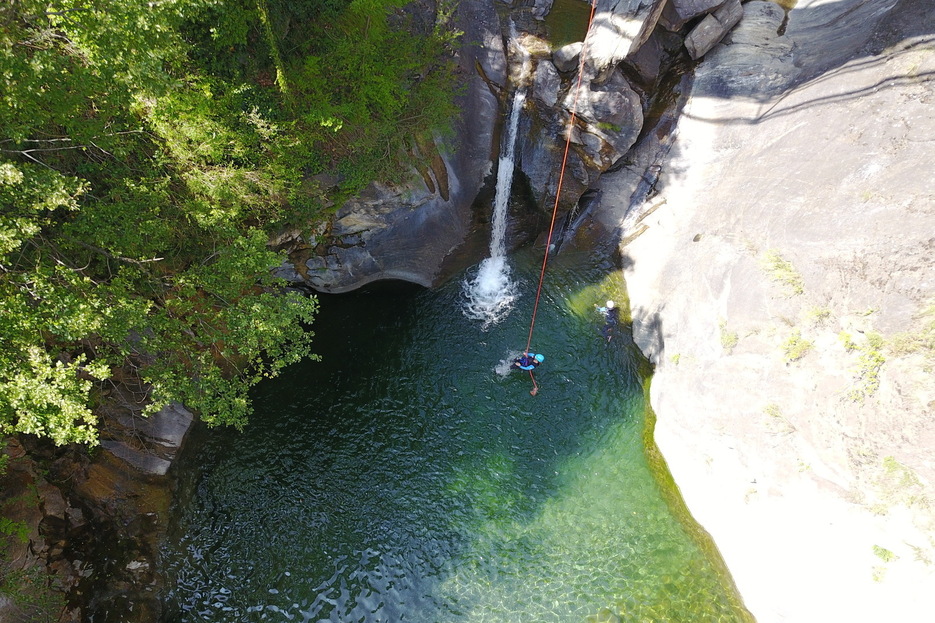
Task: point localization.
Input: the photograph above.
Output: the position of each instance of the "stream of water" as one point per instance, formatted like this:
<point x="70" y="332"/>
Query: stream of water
<point x="402" y="479"/>
<point x="490" y="292"/>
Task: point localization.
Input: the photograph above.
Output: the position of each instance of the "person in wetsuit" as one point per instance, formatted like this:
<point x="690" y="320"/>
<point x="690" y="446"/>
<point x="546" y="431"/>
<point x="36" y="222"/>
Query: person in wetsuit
<point x="611" y="319"/>
<point x="527" y="361"/>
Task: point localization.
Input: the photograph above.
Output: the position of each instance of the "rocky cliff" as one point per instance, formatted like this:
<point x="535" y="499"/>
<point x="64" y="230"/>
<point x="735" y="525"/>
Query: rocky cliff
<point x="779" y="260"/>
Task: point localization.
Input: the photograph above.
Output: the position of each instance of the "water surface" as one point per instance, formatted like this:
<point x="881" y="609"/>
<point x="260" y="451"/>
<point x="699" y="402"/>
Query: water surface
<point x="403" y="479"/>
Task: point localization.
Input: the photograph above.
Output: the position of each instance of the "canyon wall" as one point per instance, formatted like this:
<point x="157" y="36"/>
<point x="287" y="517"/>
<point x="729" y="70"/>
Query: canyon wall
<point x="781" y="274"/>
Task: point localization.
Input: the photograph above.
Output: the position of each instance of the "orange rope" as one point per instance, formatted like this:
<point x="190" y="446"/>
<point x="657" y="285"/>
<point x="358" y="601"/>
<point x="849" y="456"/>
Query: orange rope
<point x="561" y="178"/>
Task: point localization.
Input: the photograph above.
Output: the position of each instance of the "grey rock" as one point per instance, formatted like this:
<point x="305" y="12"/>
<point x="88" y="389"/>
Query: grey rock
<point x="541" y="8"/>
<point x="144" y="462"/>
<point x="609" y="118"/>
<point x="619" y="28"/>
<point x="546" y="83"/>
<point x="167" y="427"/>
<point x="678" y="12"/>
<point x="288" y="271"/>
<point x="809" y="142"/>
<point x="713" y="28"/>
<point x="759" y="61"/>
<point x="647" y="60"/>
<point x="566" y="57"/>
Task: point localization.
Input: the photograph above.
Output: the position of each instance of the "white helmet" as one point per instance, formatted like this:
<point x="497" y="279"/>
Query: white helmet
<point x="610" y="304"/>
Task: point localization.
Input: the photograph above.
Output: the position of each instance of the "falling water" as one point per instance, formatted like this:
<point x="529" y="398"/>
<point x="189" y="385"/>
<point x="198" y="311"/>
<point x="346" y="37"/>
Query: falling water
<point x="490" y="293"/>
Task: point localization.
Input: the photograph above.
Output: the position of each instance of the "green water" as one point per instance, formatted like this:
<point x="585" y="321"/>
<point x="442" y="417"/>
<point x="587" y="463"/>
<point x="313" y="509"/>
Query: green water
<point x="404" y="479"/>
<point x="567" y="22"/>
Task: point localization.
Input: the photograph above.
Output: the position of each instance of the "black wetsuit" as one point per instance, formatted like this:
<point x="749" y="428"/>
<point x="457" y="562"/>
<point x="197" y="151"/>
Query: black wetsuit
<point x="611" y="320"/>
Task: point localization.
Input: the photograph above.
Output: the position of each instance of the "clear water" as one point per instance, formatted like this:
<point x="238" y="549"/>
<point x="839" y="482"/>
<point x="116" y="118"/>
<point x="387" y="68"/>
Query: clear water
<point x="403" y="479"/>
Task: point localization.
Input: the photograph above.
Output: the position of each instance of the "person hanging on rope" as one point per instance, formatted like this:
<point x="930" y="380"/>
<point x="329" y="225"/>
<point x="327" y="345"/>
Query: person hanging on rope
<point x="527" y="361"/>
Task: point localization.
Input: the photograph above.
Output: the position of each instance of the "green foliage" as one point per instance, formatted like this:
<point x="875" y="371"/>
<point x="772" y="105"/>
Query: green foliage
<point x="920" y="339"/>
<point x="16" y="529"/>
<point x="146" y="155"/>
<point x="777" y="422"/>
<point x="30" y="594"/>
<point x="869" y="364"/>
<point x="783" y="272"/>
<point x="729" y="339"/>
<point x="795" y="347"/>
<point x="847" y="341"/>
<point x="884" y="554"/>
<point x="818" y="315"/>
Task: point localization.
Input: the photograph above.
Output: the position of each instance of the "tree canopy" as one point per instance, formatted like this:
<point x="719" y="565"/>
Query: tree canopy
<point x="148" y="150"/>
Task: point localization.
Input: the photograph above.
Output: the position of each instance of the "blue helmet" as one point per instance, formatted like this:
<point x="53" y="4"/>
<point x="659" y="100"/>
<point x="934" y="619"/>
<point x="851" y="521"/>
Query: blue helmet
<point x="540" y="358"/>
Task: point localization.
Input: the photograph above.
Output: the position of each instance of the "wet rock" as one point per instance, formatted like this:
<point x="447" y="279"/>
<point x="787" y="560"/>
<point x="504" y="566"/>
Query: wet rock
<point x="541" y="8"/>
<point x="647" y="61"/>
<point x="53" y="504"/>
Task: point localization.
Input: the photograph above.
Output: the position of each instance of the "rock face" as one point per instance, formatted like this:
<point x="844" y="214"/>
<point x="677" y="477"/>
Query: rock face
<point x="406" y="232"/>
<point x="780" y="265"/>
<point x="608" y="111"/>
<point x="92" y="521"/>
<point x="608" y="119"/>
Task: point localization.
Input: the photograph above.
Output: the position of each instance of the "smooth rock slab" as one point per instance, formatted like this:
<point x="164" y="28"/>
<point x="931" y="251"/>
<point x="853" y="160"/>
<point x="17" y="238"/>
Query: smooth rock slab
<point x="146" y="463"/>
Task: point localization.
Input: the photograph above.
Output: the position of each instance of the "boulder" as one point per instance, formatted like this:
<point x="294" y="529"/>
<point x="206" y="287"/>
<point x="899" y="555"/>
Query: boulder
<point x="541" y="8"/>
<point x="742" y="68"/>
<point x="609" y="119"/>
<point x="712" y="29"/>
<point x="678" y="12"/>
<point x="546" y="83"/>
<point x="618" y="30"/>
<point x="566" y="57"/>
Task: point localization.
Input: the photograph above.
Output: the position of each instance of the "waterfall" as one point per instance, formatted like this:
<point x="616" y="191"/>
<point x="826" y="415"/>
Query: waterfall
<point x="490" y="293"/>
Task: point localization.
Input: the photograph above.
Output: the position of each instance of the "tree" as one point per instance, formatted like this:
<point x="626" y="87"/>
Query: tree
<point x="145" y="159"/>
<point x="114" y="254"/>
